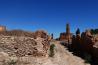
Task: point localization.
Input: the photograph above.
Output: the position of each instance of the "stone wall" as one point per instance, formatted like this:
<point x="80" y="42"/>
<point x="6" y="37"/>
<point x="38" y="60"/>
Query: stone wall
<point x="85" y="44"/>
<point x="2" y="28"/>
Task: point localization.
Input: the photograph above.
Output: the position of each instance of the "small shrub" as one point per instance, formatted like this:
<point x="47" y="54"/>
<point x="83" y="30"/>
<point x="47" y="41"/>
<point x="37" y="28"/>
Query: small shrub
<point x="7" y="62"/>
<point x="51" y="50"/>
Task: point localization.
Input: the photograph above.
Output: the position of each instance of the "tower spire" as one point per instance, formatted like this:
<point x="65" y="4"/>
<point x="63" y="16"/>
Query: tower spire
<point x="67" y="28"/>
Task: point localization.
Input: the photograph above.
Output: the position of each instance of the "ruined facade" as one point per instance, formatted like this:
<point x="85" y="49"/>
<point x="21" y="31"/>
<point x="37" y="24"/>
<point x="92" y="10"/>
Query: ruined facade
<point x="85" y="44"/>
<point x="66" y="35"/>
<point x="2" y="28"/>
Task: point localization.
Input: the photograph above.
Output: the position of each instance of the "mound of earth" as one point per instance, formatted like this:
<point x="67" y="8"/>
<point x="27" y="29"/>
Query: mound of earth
<point x="20" y="43"/>
<point x="38" y="33"/>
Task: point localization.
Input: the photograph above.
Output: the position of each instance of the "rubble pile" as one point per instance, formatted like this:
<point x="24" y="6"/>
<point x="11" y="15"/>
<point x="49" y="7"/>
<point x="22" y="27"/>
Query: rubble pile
<point x="23" y="45"/>
<point x="17" y="33"/>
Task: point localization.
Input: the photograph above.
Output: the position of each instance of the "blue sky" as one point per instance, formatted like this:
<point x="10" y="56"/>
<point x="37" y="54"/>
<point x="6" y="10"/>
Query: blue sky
<point x="50" y="15"/>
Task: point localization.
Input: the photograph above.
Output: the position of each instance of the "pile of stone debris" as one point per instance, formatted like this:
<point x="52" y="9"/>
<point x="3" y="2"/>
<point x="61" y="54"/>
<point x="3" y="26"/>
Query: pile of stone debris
<point x="20" y="43"/>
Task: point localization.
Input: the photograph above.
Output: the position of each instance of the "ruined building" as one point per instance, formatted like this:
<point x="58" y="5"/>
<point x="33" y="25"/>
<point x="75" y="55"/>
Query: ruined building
<point x="2" y="28"/>
<point x="66" y="35"/>
<point x="85" y="44"/>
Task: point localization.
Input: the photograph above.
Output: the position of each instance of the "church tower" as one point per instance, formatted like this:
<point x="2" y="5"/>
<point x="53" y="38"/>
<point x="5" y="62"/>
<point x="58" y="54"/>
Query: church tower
<point x="67" y="34"/>
<point x="67" y="29"/>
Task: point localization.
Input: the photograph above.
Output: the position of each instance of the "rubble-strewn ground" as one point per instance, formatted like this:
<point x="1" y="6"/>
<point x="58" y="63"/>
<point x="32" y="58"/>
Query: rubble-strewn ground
<point x="21" y="46"/>
<point x="22" y="50"/>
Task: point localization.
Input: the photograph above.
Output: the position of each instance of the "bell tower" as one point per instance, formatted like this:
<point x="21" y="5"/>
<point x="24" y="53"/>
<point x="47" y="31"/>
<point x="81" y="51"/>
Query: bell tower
<point x="67" y="28"/>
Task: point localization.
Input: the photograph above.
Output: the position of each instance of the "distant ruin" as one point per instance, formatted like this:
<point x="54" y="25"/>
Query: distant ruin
<point x="2" y="28"/>
<point x="66" y="36"/>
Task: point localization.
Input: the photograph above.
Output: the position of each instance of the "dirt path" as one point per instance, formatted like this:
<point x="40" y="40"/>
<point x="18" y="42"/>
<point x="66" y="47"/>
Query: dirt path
<point x="64" y="57"/>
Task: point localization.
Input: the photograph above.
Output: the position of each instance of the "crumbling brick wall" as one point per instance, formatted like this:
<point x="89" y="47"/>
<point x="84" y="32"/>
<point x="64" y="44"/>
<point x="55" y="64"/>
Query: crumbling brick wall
<point x="2" y="28"/>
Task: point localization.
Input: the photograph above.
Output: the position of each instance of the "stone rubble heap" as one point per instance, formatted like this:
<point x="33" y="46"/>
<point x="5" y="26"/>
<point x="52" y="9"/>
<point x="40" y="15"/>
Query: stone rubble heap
<point x="22" y="45"/>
